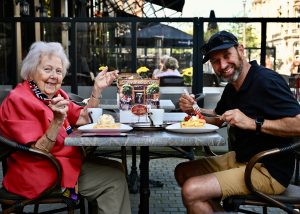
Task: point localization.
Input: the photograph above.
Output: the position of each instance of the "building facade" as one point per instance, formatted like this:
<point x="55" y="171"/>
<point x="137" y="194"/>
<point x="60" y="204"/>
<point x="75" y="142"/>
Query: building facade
<point x="284" y="36"/>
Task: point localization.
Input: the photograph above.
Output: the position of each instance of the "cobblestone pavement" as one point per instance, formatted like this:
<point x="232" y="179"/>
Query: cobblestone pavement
<point x="167" y="199"/>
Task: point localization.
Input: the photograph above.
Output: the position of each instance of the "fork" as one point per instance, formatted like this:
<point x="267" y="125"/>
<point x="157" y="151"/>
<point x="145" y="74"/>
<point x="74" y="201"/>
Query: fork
<point x="81" y="103"/>
<point x="198" y="109"/>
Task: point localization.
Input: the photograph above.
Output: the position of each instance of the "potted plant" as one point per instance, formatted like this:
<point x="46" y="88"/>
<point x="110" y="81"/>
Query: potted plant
<point x="152" y="89"/>
<point x="152" y="92"/>
<point x="127" y="90"/>
<point x="142" y="71"/>
<point x="126" y="97"/>
<point x="187" y="75"/>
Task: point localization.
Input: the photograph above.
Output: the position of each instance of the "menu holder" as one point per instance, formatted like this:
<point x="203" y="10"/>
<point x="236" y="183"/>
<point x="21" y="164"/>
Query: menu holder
<point x="138" y="91"/>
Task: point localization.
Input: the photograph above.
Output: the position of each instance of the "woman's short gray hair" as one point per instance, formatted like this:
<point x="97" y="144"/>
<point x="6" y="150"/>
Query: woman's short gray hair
<point x="171" y="63"/>
<point x="38" y="49"/>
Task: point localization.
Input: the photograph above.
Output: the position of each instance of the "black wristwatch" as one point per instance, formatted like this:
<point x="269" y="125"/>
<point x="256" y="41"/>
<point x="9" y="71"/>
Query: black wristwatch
<point x="259" y="121"/>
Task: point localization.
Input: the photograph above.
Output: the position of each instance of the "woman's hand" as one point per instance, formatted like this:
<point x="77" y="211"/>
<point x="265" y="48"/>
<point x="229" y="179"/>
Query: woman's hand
<point x="59" y="106"/>
<point x="105" y="79"/>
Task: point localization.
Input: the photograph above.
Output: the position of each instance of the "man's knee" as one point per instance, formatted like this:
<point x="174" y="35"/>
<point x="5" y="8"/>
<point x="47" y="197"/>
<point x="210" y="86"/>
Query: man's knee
<point x="189" y="191"/>
<point x="179" y="173"/>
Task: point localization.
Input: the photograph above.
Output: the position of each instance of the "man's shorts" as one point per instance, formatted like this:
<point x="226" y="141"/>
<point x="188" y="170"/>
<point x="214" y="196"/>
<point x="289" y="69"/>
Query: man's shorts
<point x="230" y="175"/>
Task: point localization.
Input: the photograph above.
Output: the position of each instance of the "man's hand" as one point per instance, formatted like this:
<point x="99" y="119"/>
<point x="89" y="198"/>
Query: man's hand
<point x="237" y="118"/>
<point x="186" y="103"/>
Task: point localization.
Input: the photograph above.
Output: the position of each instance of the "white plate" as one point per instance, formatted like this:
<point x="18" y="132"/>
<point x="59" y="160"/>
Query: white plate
<point x="176" y="128"/>
<point x="89" y="128"/>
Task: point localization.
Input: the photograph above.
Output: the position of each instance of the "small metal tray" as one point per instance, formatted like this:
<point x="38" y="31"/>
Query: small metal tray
<point x="147" y="126"/>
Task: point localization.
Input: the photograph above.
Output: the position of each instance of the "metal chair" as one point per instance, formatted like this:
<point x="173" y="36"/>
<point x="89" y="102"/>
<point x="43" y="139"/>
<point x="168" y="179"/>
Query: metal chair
<point x="288" y="201"/>
<point x="14" y="203"/>
<point x="171" y="81"/>
<point x="76" y="99"/>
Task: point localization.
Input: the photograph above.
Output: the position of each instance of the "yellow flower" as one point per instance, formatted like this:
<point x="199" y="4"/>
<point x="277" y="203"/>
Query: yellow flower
<point x="187" y="72"/>
<point x="101" y="68"/>
<point x="142" y="69"/>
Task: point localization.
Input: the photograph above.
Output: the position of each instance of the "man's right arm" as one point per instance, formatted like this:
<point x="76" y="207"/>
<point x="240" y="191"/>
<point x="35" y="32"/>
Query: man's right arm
<point x="186" y="105"/>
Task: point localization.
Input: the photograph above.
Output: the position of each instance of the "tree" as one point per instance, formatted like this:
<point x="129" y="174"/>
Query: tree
<point x="212" y="27"/>
<point x="251" y="37"/>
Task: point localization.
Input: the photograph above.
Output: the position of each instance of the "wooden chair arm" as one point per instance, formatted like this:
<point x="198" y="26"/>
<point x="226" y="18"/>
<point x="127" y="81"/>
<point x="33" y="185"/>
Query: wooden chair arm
<point x="249" y="168"/>
<point x="8" y="147"/>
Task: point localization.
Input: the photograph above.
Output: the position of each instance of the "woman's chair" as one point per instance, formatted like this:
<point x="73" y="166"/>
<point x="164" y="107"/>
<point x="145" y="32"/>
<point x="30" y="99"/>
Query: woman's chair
<point x="288" y="201"/>
<point x="14" y="203"/>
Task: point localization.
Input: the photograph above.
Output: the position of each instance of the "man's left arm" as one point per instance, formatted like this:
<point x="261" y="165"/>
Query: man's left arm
<point x="284" y="127"/>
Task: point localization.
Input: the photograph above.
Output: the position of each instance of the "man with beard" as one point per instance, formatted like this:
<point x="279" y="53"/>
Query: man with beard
<point x="262" y="114"/>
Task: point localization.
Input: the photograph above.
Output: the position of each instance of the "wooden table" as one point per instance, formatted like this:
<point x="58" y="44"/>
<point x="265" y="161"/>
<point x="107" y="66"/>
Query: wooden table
<point x="144" y="139"/>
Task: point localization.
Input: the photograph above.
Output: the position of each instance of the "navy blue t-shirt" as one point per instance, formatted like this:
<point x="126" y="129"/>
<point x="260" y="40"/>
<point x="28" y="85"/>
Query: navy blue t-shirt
<point x="264" y="93"/>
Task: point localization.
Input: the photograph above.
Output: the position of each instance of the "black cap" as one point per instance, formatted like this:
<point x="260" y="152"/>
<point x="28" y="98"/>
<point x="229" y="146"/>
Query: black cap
<point x="219" y="41"/>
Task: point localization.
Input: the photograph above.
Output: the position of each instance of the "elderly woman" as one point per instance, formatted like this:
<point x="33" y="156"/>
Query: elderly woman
<point x="38" y="113"/>
<point x="162" y="62"/>
<point x="169" y="68"/>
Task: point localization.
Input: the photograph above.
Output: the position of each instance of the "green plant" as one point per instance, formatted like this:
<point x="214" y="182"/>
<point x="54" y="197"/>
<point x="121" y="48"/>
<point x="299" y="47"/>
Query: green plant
<point x="142" y="71"/>
<point x="127" y="89"/>
<point x="187" y="75"/>
<point x="152" y="89"/>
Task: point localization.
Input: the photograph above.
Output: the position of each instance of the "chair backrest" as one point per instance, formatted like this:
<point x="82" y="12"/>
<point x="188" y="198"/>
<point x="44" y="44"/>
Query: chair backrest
<point x="210" y="79"/>
<point x="75" y="97"/>
<point x="171" y="81"/>
<point x="7" y="147"/>
<point x="287" y="201"/>
<point x="3" y="94"/>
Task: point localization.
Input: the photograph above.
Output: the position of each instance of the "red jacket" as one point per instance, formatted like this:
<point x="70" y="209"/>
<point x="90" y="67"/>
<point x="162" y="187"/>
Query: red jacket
<point x="24" y="118"/>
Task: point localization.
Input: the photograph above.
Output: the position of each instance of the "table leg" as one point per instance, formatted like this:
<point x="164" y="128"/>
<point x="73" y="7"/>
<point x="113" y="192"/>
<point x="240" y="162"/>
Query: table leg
<point x="133" y="178"/>
<point x="144" y="181"/>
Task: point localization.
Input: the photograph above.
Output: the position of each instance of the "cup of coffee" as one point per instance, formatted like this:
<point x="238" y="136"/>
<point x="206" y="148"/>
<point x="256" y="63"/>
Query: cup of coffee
<point x="157" y="116"/>
<point x="94" y="114"/>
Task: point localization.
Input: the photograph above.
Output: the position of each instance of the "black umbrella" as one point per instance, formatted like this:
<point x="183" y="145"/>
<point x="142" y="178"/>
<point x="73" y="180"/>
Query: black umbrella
<point x="168" y="35"/>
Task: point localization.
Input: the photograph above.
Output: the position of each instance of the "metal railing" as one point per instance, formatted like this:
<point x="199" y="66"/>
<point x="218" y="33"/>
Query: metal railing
<point x="19" y="41"/>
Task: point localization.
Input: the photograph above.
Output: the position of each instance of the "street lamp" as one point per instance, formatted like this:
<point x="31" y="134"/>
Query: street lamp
<point x="24" y="7"/>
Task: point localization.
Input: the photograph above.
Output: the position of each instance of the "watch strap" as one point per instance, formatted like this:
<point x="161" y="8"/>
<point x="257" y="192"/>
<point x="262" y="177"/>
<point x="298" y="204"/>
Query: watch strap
<point x="259" y="121"/>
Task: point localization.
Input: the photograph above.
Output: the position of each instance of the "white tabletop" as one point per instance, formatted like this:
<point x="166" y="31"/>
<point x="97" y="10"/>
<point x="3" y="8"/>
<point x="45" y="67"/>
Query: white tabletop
<point x="147" y="138"/>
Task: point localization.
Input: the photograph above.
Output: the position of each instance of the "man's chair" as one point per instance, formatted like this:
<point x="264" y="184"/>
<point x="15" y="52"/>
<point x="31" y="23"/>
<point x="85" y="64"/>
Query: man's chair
<point x="288" y="201"/>
<point x="12" y="203"/>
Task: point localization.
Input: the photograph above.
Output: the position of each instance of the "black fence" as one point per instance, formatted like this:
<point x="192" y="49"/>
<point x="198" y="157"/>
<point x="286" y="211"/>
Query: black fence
<point x="117" y="42"/>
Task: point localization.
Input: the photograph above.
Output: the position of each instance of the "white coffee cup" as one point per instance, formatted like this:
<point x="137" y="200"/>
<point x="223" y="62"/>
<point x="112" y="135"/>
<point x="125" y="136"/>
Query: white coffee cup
<point x="157" y="116"/>
<point x="94" y="113"/>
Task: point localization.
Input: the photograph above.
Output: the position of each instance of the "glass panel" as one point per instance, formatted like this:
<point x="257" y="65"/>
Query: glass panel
<point x="49" y="32"/>
<point x="102" y="44"/>
<point x="247" y="34"/>
<point x="155" y="40"/>
<point x="284" y="39"/>
<point x="6" y="54"/>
